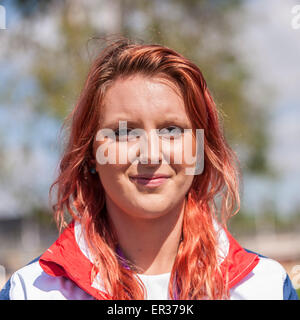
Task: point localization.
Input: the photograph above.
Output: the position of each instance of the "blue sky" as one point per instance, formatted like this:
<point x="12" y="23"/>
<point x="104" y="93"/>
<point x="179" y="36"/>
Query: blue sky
<point x="267" y="45"/>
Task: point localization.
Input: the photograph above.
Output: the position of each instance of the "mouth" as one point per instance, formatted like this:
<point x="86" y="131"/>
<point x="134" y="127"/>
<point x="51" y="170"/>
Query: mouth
<point x="150" y="181"/>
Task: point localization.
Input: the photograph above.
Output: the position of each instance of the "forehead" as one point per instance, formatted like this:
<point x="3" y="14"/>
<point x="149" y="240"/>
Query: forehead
<point x="143" y="99"/>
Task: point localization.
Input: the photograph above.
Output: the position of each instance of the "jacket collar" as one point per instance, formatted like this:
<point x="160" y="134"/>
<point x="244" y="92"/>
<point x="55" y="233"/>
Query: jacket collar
<point x="65" y="258"/>
<point x="68" y="256"/>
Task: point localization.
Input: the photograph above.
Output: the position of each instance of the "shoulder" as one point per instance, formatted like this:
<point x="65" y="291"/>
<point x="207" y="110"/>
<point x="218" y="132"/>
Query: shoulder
<point x="32" y="283"/>
<point x="267" y="281"/>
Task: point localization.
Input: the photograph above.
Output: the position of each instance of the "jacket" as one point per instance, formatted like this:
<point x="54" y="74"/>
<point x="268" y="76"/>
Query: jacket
<point x="63" y="272"/>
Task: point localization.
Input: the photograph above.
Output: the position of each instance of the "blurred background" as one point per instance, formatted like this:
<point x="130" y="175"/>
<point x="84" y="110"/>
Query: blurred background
<point x="249" y="54"/>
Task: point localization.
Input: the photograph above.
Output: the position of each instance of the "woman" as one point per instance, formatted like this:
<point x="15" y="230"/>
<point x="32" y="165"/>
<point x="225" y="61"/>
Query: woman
<point x="143" y="226"/>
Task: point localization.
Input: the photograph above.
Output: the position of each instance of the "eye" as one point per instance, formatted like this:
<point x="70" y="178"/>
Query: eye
<point x="172" y="131"/>
<point x="121" y="132"/>
<point x="126" y="134"/>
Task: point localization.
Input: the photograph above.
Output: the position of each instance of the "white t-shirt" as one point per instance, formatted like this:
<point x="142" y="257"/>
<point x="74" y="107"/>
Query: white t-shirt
<point x="156" y="285"/>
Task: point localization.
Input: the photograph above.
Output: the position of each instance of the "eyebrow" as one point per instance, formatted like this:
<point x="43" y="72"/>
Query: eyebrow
<point x="115" y="123"/>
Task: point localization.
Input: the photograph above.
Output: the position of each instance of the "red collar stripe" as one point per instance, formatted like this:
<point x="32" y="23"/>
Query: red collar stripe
<point x="65" y="258"/>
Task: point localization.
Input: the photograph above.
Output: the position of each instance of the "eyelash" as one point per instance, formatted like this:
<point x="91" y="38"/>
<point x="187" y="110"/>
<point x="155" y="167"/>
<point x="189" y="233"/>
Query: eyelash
<point x="128" y="129"/>
<point x="176" y="127"/>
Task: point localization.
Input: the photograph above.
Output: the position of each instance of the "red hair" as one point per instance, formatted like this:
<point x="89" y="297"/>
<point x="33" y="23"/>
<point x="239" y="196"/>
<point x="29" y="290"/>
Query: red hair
<point x="196" y="273"/>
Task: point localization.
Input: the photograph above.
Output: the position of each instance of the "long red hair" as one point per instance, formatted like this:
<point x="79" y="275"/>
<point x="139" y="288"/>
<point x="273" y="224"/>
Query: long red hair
<point x="214" y="194"/>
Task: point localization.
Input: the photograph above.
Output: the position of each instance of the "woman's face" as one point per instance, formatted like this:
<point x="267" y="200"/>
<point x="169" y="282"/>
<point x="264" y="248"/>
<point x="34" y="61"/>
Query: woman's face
<point x="146" y="104"/>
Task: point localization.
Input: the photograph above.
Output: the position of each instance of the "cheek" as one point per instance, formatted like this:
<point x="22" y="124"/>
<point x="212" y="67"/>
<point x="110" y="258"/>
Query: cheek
<point x="106" y="152"/>
<point x="108" y="175"/>
<point x="189" y="151"/>
<point x="181" y="152"/>
<point x="118" y="153"/>
<point x="115" y="182"/>
<point x="107" y="166"/>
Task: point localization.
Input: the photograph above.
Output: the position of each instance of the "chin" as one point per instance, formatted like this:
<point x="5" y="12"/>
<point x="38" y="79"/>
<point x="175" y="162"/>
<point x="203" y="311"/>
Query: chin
<point x="150" y="210"/>
<point x="151" y="215"/>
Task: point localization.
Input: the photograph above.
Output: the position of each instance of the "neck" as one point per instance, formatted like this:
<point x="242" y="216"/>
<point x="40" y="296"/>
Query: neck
<point x="150" y="244"/>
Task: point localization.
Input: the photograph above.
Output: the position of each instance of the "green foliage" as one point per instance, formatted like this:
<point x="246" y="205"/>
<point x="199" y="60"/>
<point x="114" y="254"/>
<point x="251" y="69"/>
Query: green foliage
<point x="43" y="216"/>
<point x="242" y="223"/>
<point x="269" y="220"/>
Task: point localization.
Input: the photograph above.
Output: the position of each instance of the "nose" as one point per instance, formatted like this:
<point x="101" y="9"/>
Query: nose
<point x="149" y="148"/>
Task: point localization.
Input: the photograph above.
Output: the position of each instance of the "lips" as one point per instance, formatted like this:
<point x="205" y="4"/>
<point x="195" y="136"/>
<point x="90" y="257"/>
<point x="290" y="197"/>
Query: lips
<point x="150" y="176"/>
<point x="150" y="180"/>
